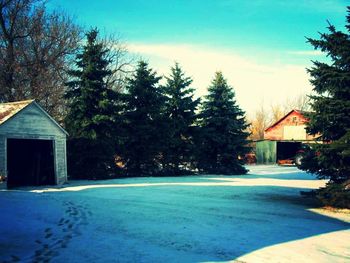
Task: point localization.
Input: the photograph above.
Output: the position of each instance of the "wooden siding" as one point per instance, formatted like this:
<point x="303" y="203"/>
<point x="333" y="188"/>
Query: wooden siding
<point x="293" y="119"/>
<point x="61" y="162"/>
<point x="33" y="123"/>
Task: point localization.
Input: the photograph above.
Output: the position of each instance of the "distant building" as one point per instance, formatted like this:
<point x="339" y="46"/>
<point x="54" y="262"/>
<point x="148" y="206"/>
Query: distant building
<point x="283" y="140"/>
<point x="32" y="145"/>
<point x="290" y="127"/>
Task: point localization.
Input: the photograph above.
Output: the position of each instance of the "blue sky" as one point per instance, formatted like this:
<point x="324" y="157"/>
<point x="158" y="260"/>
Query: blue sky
<point x="266" y="37"/>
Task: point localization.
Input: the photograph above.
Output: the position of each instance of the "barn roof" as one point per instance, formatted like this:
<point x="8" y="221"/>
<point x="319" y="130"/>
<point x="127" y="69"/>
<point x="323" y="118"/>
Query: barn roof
<point x="285" y="116"/>
<point x="10" y="109"/>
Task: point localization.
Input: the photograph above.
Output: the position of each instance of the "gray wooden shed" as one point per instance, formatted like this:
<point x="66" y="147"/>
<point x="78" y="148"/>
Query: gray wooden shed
<point x="32" y="145"/>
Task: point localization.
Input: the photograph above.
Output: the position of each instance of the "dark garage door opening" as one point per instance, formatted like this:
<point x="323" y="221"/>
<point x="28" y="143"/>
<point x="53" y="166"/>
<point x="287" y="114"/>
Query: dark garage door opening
<point x="287" y="150"/>
<point x="30" y="162"/>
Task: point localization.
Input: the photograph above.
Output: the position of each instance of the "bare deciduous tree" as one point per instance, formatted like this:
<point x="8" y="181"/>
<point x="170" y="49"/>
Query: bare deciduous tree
<point x="258" y="124"/>
<point x="277" y="111"/>
<point x="264" y="118"/>
<point x="301" y="102"/>
<point x="36" y="48"/>
<point x="121" y="63"/>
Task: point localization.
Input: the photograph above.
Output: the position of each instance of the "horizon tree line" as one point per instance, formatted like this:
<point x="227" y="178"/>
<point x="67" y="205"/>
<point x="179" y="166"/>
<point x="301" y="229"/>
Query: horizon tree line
<point x="148" y="128"/>
<point x="90" y="86"/>
<point x="123" y="122"/>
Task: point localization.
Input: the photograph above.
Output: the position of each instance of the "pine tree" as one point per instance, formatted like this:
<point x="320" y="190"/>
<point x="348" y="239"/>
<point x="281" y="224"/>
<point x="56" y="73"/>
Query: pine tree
<point x="144" y="122"/>
<point x="90" y="101"/>
<point x="223" y="139"/>
<point x="180" y="112"/>
<point x="91" y="112"/>
<point x="330" y="118"/>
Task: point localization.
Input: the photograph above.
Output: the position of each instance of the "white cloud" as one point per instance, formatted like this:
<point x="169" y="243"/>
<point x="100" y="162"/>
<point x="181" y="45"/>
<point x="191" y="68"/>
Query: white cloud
<point x="307" y="53"/>
<point x="254" y="83"/>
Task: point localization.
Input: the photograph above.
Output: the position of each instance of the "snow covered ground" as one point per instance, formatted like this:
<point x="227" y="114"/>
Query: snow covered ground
<point x="259" y="217"/>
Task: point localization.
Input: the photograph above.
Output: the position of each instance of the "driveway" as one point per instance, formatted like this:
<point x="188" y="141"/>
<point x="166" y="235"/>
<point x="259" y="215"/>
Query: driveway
<point x="259" y="217"/>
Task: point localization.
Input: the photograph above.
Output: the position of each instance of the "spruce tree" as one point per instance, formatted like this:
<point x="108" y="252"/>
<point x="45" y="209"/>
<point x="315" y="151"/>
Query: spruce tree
<point x="330" y="118"/>
<point x="90" y="101"/>
<point x="223" y="140"/>
<point x="180" y="111"/>
<point x="91" y="115"/>
<point x="144" y="122"/>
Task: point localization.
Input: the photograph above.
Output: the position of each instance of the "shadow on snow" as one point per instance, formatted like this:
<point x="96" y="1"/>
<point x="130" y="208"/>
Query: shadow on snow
<point x="191" y="218"/>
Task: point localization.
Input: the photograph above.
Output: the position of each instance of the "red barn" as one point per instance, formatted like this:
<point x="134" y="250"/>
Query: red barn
<point x="290" y="127"/>
<point x="284" y="139"/>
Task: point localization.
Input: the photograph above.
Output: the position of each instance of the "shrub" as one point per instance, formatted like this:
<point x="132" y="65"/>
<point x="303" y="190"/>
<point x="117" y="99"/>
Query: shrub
<point x="335" y="195"/>
<point x="91" y="159"/>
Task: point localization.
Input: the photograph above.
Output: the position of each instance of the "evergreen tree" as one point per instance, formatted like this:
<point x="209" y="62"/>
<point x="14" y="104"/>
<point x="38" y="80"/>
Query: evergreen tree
<point x="223" y="140"/>
<point x="90" y="101"/>
<point x="180" y="112"/>
<point x="330" y="118"/>
<point x="144" y="122"/>
<point x="91" y="112"/>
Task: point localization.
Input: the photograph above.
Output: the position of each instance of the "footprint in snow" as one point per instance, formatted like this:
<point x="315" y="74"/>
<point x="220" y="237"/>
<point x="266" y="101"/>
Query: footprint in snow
<point x="55" y="239"/>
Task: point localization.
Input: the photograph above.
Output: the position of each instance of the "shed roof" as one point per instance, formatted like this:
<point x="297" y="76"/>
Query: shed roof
<point x="10" y="109"/>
